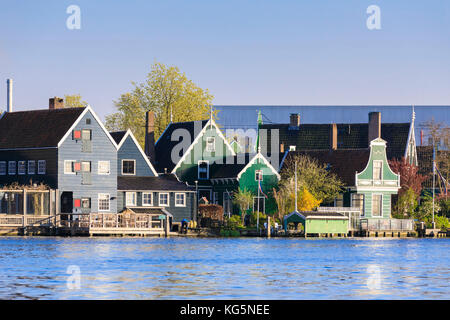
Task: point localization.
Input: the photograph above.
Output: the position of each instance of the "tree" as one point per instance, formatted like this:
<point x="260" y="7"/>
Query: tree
<point x="74" y="101"/>
<point x="311" y="175"/>
<point x="406" y="204"/>
<point x="409" y="176"/>
<point x="169" y="94"/>
<point x="306" y="201"/>
<point x="243" y="198"/>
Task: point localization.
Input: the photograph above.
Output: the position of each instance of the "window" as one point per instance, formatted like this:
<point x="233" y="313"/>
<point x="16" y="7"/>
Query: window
<point x="11" y="167"/>
<point x="377" y="170"/>
<point x="147" y="199"/>
<point x="85" y="203"/>
<point x="88" y="120"/>
<point x="358" y="201"/>
<point x="41" y="166"/>
<point x="103" y="202"/>
<point x="227" y="205"/>
<point x="85" y="134"/>
<point x="103" y="167"/>
<point x="216" y="198"/>
<point x="2" y="168"/>
<point x="21" y="167"/>
<point x="203" y="169"/>
<point x="210" y="144"/>
<point x="262" y="203"/>
<point x="258" y="175"/>
<point x="69" y="167"/>
<point x="163" y="199"/>
<point x="130" y="198"/>
<point x="86" y="166"/>
<point x="180" y="200"/>
<point x="292" y="148"/>
<point x="339" y="200"/>
<point x="31" y="167"/>
<point x="129" y="167"/>
<point x="377" y="205"/>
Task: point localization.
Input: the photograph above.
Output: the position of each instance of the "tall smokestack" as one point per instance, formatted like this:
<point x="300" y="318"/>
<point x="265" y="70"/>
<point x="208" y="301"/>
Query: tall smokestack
<point x="150" y="135"/>
<point x="9" y="102"/>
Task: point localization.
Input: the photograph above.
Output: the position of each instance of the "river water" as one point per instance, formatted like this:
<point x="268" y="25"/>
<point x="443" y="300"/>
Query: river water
<point x="223" y="268"/>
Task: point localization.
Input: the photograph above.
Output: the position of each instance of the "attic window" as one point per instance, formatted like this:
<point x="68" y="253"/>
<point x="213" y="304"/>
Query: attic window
<point x="210" y="144"/>
<point x="258" y="175"/>
<point x="88" y="121"/>
<point x="86" y="134"/>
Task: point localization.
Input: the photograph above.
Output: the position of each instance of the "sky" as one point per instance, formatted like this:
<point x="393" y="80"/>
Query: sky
<point x="245" y="52"/>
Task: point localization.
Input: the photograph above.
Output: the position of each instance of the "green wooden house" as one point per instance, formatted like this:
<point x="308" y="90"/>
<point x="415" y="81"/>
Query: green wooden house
<point x="318" y="222"/>
<point x="377" y="183"/>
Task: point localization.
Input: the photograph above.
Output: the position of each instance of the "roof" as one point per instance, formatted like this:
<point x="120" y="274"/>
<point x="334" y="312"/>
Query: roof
<point x="164" y="182"/>
<point x="350" y="136"/>
<point x="344" y="163"/>
<point x="318" y="214"/>
<point x="118" y="136"/>
<point x="164" y="145"/>
<point x="36" y="128"/>
<point x="148" y="210"/>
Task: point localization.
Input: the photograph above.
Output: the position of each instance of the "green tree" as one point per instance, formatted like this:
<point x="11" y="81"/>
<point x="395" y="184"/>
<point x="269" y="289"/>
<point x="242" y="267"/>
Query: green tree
<point x="311" y="175"/>
<point x="168" y="93"/>
<point x="74" y="101"/>
<point x="243" y="198"/>
<point x="406" y="204"/>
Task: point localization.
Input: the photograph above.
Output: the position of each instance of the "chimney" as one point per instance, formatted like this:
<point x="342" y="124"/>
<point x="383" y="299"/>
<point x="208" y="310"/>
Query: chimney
<point x="55" y="103"/>
<point x="9" y="104"/>
<point x="374" y="125"/>
<point x="333" y="136"/>
<point x="294" y="120"/>
<point x="150" y="135"/>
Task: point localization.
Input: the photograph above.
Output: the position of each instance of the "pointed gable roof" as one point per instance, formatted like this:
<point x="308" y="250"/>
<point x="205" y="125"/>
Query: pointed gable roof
<point x="37" y="128"/>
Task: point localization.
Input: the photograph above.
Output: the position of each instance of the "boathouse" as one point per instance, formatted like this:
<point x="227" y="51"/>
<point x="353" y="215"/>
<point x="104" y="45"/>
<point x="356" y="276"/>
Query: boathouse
<point x="318" y="223"/>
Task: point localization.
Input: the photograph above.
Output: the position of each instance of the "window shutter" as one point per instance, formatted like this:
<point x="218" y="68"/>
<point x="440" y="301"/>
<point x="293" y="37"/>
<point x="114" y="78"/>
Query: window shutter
<point x="77" y="166"/>
<point x="76" y="134"/>
<point x="77" y="203"/>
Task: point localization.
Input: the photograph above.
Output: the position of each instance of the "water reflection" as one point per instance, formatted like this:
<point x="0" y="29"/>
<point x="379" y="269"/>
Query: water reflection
<point x="146" y="268"/>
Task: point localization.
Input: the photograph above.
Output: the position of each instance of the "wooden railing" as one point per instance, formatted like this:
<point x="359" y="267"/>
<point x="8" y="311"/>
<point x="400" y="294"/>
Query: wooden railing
<point x="127" y="221"/>
<point x="387" y="224"/>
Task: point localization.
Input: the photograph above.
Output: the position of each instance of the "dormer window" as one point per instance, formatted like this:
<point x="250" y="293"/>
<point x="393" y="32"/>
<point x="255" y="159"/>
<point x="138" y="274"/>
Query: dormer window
<point x="203" y="169"/>
<point x="210" y="144"/>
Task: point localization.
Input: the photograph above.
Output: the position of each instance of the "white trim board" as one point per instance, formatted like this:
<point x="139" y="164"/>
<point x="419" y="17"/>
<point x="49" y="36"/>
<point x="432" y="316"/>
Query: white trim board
<point x="129" y="133"/>
<point x="266" y="162"/>
<point x="199" y="136"/>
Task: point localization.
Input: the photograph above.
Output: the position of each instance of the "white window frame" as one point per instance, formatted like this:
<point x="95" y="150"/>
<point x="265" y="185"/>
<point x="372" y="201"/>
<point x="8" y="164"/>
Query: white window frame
<point x="86" y="130"/>
<point x="210" y="144"/>
<point x="184" y="199"/>
<point x="168" y="199"/>
<point x="127" y="199"/>
<point x="129" y="174"/>
<point x="363" y="202"/>
<point x="381" y="170"/>
<point x="4" y="167"/>
<point x="260" y="173"/>
<point x="22" y="164"/>
<point x="72" y="167"/>
<point x="381" y="205"/>
<point x="10" y="172"/>
<point x="39" y="166"/>
<point x="207" y="169"/>
<point x="105" y="195"/>
<point x="151" y="199"/>
<point x="103" y="163"/>
<point x="82" y="166"/>
<point x="34" y="168"/>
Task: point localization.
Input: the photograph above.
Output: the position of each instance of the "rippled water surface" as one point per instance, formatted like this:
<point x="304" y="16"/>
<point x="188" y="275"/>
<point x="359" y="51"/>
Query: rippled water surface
<point x="244" y="268"/>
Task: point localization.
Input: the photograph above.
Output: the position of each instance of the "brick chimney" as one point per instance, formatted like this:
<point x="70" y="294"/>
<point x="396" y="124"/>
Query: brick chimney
<point x="294" y="120"/>
<point x="374" y="125"/>
<point x="150" y="135"/>
<point x="333" y="136"/>
<point x="55" y="103"/>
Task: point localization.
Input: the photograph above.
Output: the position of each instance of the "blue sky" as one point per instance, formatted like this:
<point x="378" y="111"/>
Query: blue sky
<point x="245" y="52"/>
